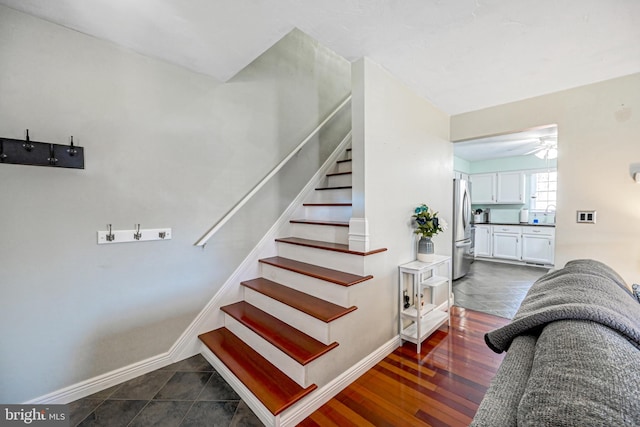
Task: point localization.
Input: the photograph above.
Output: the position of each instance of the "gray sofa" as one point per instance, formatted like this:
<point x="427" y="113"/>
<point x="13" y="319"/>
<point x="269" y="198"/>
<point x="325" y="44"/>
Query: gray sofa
<point x="573" y="354"/>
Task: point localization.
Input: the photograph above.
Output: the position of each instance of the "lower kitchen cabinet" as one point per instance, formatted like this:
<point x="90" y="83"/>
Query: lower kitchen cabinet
<point x="532" y="244"/>
<point x="538" y="245"/>
<point x="482" y="245"/>
<point x="506" y="243"/>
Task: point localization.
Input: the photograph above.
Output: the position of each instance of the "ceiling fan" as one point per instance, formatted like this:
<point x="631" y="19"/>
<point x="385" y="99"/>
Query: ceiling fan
<point x="546" y="149"/>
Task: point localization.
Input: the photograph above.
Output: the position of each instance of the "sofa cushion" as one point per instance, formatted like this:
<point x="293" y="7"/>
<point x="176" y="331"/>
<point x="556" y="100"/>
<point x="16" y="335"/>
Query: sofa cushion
<point x="583" y="374"/>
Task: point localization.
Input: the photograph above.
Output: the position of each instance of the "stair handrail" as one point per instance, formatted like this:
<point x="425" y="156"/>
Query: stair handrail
<point x="204" y="239"/>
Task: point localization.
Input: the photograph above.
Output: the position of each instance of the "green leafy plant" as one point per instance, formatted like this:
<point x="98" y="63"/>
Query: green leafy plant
<point x="427" y="222"/>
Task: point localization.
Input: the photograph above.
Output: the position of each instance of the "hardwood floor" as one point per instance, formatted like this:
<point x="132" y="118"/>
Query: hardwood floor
<point x="441" y="386"/>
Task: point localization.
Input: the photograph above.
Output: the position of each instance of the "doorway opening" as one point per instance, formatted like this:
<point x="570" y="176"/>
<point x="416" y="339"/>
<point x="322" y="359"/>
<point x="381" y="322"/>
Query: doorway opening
<point x="514" y="193"/>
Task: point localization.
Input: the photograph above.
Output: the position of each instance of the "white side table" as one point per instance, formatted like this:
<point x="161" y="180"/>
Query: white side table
<point x="417" y="324"/>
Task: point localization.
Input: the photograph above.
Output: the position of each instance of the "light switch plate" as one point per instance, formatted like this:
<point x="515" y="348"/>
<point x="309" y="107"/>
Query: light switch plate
<point x="586" y="217"/>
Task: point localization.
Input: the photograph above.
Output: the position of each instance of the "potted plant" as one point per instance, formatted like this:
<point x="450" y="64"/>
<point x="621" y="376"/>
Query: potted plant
<point x="427" y="225"/>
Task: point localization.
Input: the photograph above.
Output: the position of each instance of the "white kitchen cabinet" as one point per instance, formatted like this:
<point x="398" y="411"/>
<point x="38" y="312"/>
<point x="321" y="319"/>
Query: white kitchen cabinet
<point x="506" y="242"/>
<point x="500" y="187"/>
<point x="460" y="175"/>
<point x="510" y="187"/>
<point x="483" y="241"/>
<point x="538" y="245"/>
<point x="483" y="188"/>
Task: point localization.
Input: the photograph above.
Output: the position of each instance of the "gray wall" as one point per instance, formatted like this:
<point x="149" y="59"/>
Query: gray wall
<point x="165" y="147"/>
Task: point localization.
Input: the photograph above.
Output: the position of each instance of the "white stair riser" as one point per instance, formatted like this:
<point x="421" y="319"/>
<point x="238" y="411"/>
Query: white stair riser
<point x="308" y="324"/>
<point x="282" y="361"/>
<point x="309" y="285"/>
<point x="329" y="213"/>
<point x="339" y="180"/>
<point x="348" y="263"/>
<point x="331" y="196"/>
<point x="327" y="233"/>
<point x="343" y="167"/>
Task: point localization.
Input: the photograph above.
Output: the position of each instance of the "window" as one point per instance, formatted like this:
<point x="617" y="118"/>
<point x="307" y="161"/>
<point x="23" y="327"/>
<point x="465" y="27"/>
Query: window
<point x="544" y="186"/>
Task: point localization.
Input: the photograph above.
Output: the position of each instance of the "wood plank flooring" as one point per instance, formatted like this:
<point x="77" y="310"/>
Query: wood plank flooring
<point x="441" y="386"/>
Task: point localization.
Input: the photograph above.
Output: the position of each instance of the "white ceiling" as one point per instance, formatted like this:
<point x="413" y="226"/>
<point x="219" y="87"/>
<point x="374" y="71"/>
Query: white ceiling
<point x="461" y="55"/>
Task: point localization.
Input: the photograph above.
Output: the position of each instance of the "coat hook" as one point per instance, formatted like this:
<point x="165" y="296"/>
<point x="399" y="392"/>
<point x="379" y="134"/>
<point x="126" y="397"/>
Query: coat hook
<point x="137" y="235"/>
<point x="110" y="236"/>
<point x="52" y="155"/>
<point x="28" y="145"/>
<point x="72" y="150"/>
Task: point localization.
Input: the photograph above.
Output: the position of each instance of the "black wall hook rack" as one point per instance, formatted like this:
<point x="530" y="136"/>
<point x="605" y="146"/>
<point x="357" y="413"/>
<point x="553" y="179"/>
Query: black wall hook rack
<point x="27" y="152"/>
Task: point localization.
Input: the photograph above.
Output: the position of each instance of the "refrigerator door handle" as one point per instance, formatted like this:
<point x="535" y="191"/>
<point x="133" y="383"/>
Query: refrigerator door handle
<point x="463" y="244"/>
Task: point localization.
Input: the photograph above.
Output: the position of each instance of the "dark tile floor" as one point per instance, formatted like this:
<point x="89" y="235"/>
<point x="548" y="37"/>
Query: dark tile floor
<point x="495" y="288"/>
<point x="187" y="393"/>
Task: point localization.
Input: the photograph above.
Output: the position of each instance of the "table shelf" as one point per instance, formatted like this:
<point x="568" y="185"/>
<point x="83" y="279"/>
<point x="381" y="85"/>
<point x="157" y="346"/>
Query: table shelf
<point x="415" y="326"/>
<point x="413" y="313"/>
<point x="435" y="281"/>
<point x="428" y="325"/>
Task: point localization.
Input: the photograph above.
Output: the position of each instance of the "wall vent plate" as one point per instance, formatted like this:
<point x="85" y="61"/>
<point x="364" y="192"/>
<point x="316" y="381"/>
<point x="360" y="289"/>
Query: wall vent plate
<point x="586" y="217"/>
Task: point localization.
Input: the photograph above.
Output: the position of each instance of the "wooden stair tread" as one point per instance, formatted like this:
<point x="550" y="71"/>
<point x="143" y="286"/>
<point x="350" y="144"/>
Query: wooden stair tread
<point x="313" y="306"/>
<point x="329" y="246"/>
<point x="270" y="385"/>
<point x="327" y="204"/>
<point x="334" y="276"/>
<point x="343" y="161"/>
<point x="296" y="344"/>
<point x="320" y="222"/>
<point x="342" y="187"/>
<point x="339" y="173"/>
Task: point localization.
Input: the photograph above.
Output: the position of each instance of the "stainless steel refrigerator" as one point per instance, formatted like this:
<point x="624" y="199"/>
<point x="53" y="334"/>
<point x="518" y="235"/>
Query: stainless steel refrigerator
<point x="463" y="230"/>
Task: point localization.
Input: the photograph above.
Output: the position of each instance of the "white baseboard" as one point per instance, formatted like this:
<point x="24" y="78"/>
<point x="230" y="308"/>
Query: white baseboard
<point x="104" y="381"/>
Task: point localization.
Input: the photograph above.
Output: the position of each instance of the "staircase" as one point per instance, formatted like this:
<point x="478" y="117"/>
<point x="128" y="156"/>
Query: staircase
<point x="290" y="333"/>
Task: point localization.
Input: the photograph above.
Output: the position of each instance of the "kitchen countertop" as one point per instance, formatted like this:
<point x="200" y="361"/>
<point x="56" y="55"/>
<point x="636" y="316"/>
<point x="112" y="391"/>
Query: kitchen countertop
<point x="515" y="223"/>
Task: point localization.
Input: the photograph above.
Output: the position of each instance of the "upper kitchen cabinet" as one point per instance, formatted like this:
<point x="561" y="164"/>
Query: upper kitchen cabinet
<point x="511" y="187"/>
<point x="483" y="188"/>
<point x="500" y="187"/>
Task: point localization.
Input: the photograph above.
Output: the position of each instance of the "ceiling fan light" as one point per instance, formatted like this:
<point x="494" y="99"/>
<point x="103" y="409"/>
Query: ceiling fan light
<point x="547" y="153"/>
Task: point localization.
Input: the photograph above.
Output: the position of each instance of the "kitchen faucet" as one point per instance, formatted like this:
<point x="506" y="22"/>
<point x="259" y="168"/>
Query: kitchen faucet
<point x="547" y="211"/>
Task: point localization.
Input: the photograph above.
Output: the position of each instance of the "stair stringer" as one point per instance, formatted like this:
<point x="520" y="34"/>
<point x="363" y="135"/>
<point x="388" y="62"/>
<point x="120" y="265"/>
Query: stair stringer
<point x="211" y="317"/>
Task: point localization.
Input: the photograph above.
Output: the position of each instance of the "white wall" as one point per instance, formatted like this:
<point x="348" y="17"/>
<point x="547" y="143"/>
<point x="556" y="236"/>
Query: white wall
<point x="401" y="146"/>
<point x="165" y="147"/>
<point x="598" y="131"/>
